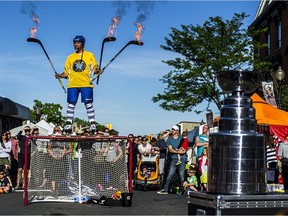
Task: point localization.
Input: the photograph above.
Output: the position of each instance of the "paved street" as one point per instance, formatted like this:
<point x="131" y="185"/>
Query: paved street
<point x="144" y="203"/>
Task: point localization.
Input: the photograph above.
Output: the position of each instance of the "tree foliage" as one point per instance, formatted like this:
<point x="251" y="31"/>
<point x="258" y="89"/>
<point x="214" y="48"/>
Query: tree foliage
<point x="217" y="45"/>
<point x="53" y="112"/>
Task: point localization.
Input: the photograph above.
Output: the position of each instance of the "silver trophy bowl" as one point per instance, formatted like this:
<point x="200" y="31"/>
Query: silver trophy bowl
<point x="241" y="81"/>
<point x="236" y="154"/>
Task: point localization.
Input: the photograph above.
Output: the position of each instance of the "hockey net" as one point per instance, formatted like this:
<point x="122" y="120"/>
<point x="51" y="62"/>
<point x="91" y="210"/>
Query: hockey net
<point x="75" y="169"/>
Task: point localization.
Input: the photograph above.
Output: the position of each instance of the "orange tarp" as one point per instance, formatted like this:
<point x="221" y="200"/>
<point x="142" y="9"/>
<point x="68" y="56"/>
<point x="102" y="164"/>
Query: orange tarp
<point x="267" y="114"/>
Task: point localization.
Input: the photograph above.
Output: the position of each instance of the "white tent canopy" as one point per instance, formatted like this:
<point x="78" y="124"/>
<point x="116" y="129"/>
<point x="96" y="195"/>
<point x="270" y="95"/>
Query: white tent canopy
<point x="48" y="126"/>
<point x="44" y="128"/>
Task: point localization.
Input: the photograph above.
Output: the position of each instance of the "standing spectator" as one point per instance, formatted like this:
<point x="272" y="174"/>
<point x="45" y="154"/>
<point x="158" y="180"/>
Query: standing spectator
<point x="153" y="143"/>
<point x="78" y="68"/>
<point x="272" y="163"/>
<point x="38" y="160"/>
<point x="22" y="139"/>
<point x="144" y="148"/>
<point x="162" y="148"/>
<point x="13" y="158"/>
<point x="5" y="149"/>
<point x="135" y="153"/>
<point x="202" y="140"/>
<point x="183" y="145"/>
<point x="112" y="154"/>
<point x="283" y="157"/>
<point x="58" y="169"/>
<point x="172" y="143"/>
<point x="203" y="168"/>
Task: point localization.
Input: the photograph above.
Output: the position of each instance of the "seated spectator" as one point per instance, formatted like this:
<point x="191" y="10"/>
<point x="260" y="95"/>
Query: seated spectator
<point x="5" y="185"/>
<point x="145" y="172"/>
<point x="192" y="183"/>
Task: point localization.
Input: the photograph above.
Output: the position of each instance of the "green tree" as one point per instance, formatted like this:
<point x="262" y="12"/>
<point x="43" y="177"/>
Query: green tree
<point x="215" y="46"/>
<point x="53" y="112"/>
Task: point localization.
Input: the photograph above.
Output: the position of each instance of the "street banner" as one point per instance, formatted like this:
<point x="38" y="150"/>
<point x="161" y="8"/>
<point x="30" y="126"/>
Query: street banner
<point x="209" y="117"/>
<point x="268" y="91"/>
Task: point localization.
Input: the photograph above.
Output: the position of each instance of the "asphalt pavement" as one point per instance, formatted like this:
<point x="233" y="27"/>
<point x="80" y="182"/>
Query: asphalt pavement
<point x="143" y="203"/>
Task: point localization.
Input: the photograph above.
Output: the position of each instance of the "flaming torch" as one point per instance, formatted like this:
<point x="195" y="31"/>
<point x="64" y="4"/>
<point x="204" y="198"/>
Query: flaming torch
<point x="137" y="41"/>
<point x="138" y="35"/>
<point x="109" y="38"/>
<point x="113" y="26"/>
<point x="33" y="30"/>
<point x="33" y="39"/>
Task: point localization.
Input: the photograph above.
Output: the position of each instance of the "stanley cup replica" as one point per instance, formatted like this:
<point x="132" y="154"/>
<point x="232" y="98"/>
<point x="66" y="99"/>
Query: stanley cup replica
<point x="237" y="154"/>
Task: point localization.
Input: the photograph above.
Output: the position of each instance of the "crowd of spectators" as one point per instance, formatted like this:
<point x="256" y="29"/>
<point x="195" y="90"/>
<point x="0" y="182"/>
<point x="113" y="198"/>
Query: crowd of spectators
<point x="177" y="158"/>
<point x="12" y="158"/>
<point x="181" y="162"/>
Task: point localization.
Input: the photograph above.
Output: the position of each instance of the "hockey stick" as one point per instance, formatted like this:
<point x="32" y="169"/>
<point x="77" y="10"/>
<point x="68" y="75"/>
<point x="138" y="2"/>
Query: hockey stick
<point x="129" y="43"/>
<point x="107" y="39"/>
<point x="35" y="40"/>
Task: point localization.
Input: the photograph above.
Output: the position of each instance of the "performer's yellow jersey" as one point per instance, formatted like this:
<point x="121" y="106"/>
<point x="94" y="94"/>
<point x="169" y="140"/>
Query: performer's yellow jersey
<point x="79" y="67"/>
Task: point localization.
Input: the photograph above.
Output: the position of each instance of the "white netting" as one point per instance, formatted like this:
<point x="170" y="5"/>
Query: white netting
<point x="59" y="167"/>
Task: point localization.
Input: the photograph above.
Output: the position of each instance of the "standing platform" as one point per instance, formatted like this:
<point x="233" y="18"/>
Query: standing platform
<point x="212" y="204"/>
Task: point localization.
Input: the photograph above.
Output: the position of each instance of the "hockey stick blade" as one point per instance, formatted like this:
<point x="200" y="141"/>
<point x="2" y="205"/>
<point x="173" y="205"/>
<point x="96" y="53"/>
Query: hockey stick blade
<point x="108" y="39"/>
<point x="139" y="43"/>
<point x="35" y="40"/>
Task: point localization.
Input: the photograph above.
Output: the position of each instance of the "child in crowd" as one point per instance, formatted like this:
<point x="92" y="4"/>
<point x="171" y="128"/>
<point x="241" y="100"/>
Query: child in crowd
<point x="5" y="185"/>
<point x="192" y="182"/>
<point x="145" y="172"/>
<point x="203" y="167"/>
<point x="183" y="145"/>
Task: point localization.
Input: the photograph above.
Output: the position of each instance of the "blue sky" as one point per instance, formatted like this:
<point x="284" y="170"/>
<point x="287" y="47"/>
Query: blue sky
<point x="123" y="96"/>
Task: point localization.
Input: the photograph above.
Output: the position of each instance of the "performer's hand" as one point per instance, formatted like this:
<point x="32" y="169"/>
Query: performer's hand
<point x="58" y="76"/>
<point x="98" y="71"/>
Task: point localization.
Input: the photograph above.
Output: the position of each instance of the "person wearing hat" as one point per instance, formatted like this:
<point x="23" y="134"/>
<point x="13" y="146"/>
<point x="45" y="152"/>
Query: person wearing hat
<point x="79" y="67"/>
<point x="172" y="144"/>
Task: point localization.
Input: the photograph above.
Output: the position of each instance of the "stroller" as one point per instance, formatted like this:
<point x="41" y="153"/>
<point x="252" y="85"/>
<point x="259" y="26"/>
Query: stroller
<point x="148" y="173"/>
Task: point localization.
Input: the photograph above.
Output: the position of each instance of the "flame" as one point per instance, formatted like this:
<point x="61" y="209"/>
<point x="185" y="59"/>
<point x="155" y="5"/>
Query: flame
<point x="138" y="35"/>
<point x="35" y="19"/>
<point x="113" y="26"/>
<point x="33" y="30"/>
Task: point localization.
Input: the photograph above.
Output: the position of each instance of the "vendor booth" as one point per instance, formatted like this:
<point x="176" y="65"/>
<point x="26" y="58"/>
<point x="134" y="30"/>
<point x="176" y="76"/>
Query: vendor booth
<point x="265" y="114"/>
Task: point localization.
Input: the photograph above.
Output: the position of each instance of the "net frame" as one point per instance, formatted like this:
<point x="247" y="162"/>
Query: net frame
<point x="78" y="139"/>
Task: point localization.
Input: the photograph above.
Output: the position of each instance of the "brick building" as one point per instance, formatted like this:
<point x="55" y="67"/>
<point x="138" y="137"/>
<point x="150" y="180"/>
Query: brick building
<point x="274" y="16"/>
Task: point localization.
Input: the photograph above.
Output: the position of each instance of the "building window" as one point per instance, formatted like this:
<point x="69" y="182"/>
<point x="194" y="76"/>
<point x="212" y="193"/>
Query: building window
<point x="279" y="34"/>
<point x="268" y="38"/>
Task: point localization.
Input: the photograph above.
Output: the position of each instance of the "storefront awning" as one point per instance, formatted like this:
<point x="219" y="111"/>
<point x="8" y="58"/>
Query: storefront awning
<point x="12" y="109"/>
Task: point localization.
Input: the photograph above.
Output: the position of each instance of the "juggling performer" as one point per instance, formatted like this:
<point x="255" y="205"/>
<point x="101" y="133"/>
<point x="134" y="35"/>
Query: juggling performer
<point x="79" y="67"/>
